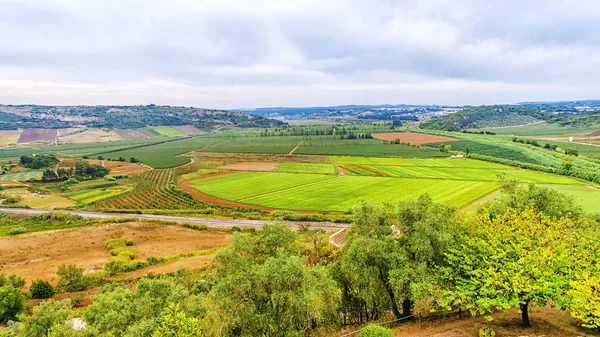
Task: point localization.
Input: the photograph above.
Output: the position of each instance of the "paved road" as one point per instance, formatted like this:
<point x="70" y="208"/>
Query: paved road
<point x="211" y="222"/>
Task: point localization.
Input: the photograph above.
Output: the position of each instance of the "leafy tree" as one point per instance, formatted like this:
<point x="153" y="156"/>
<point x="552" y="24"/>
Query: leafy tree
<point x="12" y="303"/>
<point x="12" y="280"/>
<point x="176" y="323"/>
<point x="46" y="317"/>
<point x="509" y="261"/>
<point x="41" y="289"/>
<point x="585" y="301"/>
<point x="71" y="278"/>
<point x="120" y="311"/>
<point x="262" y="288"/>
<point x="376" y="331"/>
<point x="548" y="201"/>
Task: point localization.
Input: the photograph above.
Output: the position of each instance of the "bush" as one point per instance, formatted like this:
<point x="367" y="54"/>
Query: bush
<point x="195" y="226"/>
<point x="77" y="300"/>
<point x="71" y="181"/>
<point x="376" y="331"/>
<point x="486" y="332"/>
<point x="10" y="199"/>
<point x="71" y="278"/>
<point x="41" y="289"/>
<point x="17" y="230"/>
<point x="128" y="242"/>
<point x="12" y="303"/>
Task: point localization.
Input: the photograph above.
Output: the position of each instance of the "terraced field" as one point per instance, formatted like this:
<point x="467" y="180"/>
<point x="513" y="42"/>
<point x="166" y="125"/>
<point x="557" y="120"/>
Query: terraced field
<point x="335" y="193"/>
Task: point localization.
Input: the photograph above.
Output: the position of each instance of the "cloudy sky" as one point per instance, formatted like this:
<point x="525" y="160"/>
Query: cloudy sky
<point x="235" y="53"/>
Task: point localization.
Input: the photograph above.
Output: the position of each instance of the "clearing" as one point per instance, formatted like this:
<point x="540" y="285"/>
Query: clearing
<point x="411" y="137"/>
<point x="38" y="255"/>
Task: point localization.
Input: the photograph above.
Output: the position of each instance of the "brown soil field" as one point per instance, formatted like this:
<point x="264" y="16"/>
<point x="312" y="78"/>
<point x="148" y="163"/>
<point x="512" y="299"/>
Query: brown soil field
<point x="38" y="255"/>
<point x="8" y="137"/>
<point x="411" y="137"/>
<point x="188" y="129"/>
<point x="90" y="136"/>
<point x="36" y="135"/>
<point x="250" y="166"/>
<point x="545" y="322"/>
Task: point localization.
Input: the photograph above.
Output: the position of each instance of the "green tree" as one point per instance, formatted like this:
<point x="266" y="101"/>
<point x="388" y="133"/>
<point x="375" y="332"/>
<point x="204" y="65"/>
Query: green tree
<point x="517" y="196"/>
<point x="585" y="301"/>
<point x="176" y="323"/>
<point x="45" y="317"/>
<point x="509" y="261"/>
<point x="41" y="289"/>
<point x="12" y="303"/>
<point x="263" y="288"/>
<point x="12" y="280"/>
<point x="71" y="278"/>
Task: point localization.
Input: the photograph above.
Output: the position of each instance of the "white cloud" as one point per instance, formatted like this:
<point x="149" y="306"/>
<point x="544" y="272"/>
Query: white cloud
<point x="232" y="53"/>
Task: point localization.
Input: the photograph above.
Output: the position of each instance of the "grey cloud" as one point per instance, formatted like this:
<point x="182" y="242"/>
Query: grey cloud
<point x="214" y="53"/>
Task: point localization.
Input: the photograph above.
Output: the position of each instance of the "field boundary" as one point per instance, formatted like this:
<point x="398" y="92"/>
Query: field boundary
<point x="296" y="148"/>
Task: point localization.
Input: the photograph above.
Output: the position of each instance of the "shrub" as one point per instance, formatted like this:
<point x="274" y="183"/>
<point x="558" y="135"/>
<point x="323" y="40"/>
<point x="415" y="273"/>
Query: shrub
<point x="195" y="226"/>
<point x="376" y="331"/>
<point x="12" y="280"/>
<point x="109" y="178"/>
<point x="77" y="300"/>
<point x="41" y="289"/>
<point x="10" y="199"/>
<point x="235" y="229"/>
<point x="486" y="332"/>
<point x="17" y="230"/>
<point x="71" y="181"/>
<point x="128" y="242"/>
<point x="71" y="278"/>
<point x="12" y="303"/>
<point x="114" y="267"/>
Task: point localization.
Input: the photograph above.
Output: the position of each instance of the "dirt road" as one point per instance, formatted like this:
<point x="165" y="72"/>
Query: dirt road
<point x="211" y="222"/>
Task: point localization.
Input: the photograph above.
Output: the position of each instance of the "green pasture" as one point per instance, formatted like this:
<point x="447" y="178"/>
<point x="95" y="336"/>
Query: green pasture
<point x="542" y="130"/>
<point x="472" y="174"/>
<point x="21" y="176"/>
<point x="587" y="196"/>
<point x="337" y="193"/>
<point x="274" y="145"/>
<point x="364" y="148"/>
<point x="306" y="168"/>
<point x="88" y="197"/>
<point x="167" y="131"/>
<point x="421" y="162"/>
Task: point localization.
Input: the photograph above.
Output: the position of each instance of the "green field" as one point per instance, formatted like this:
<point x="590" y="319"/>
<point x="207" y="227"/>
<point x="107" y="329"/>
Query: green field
<point x="364" y="147"/>
<point x="427" y="162"/>
<point x="306" y="168"/>
<point x="587" y="196"/>
<point x="88" y="197"/>
<point x="542" y="130"/>
<point x="167" y="131"/>
<point x="337" y="193"/>
<point x="21" y="176"/>
<point x="274" y="145"/>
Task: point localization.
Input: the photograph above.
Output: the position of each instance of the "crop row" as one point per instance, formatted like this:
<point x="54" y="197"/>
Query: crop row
<point x="153" y="190"/>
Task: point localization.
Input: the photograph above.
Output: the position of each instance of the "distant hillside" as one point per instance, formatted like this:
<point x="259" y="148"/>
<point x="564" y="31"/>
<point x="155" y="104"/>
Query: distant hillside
<point x="485" y="117"/>
<point x="124" y="117"/>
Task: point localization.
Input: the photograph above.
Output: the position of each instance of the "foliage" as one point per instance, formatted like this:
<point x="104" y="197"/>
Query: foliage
<point x="375" y="331"/>
<point x="12" y="280"/>
<point x="509" y="261"/>
<point x="484" y="116"/>
<point x="547" y="201"/>
<point x="487" y="332"/>
<point x="46" y="317"/>
<point x="40" y="289"/>
<point x="176" y="323"/>
<point x="38" y="161"/>
<point x="12" y="303"/>
<point x="585" y="301"/>
<point x="71" y="278"/>
<point x="262" y="288"/>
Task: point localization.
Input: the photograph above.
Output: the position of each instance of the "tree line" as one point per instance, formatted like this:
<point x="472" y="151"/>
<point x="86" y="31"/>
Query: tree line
<point x="81" y="171"/>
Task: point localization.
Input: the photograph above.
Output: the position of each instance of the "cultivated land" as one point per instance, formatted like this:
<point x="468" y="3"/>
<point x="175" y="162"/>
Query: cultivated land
<point x="92" y="135"/>
<point x="36" y="135"/>
<point x="411" y="137"/>
<point x="38" y="255"/>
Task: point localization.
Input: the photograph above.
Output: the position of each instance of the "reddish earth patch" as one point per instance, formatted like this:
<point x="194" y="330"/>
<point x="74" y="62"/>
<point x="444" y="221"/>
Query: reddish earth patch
<point x="411" y="137"/>
<point x="250" y="166"/>
<point x="188" y="129"/>
<point x="36" y="135"/>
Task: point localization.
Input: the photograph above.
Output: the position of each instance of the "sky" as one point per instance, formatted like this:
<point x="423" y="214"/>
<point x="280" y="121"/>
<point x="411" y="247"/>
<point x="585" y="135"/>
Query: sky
<point x="244" y="54"/>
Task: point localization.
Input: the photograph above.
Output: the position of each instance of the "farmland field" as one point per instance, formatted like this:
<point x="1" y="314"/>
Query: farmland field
<point x="8" y="137"/>
<point x="88" y="197"/>
<point x="21" y="176"/>
<point x="542" y="130"/>
<point x="306" y="168"/>
<point x="337" y="193"/>
<point x="275" y="145"/>
<point x="36" y="135"/>
<point x="587" y="196"/>
<point x="364" y="147"/>
<point x="167" y="131"/>
<point x="411" y="137"/>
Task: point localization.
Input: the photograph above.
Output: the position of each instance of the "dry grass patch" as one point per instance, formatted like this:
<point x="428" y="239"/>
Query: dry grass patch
<point x="38" y="255"/>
